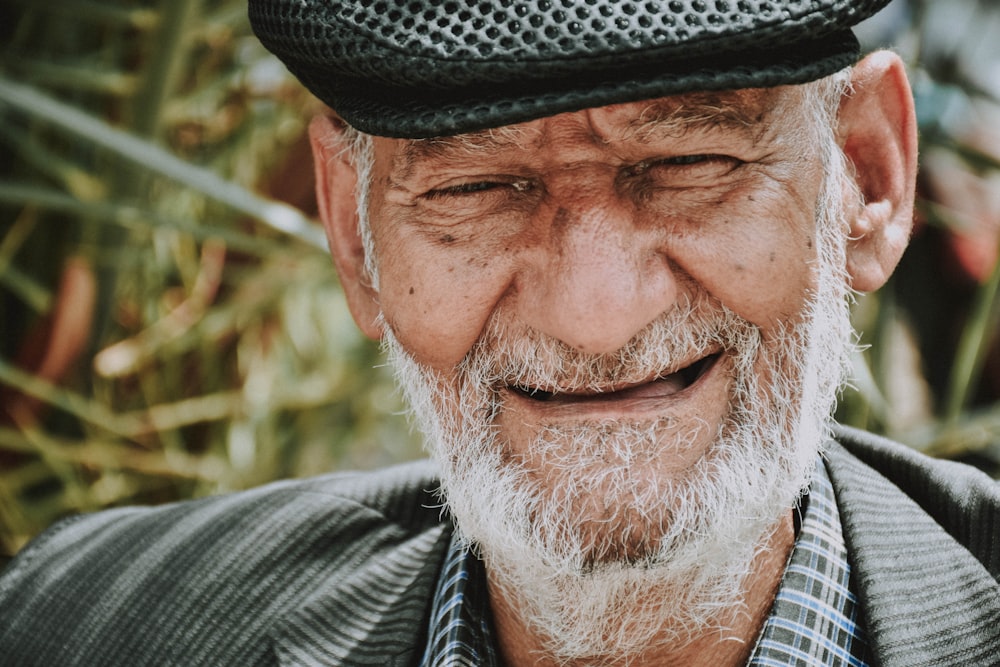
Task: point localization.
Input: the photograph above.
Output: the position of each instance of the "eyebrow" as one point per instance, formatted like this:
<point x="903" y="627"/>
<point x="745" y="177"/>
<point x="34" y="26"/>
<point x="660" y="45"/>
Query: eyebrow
<point x="734" y="110"/>
<point x="468" y="145"/>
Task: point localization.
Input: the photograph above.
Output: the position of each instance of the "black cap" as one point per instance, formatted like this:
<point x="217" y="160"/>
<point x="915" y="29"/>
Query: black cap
<point x="423" y="68"/>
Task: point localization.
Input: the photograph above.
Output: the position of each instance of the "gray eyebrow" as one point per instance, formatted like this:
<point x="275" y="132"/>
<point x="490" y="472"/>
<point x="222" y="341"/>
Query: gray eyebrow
<point x="737" y="110"/>
<point x="468" y="145"/>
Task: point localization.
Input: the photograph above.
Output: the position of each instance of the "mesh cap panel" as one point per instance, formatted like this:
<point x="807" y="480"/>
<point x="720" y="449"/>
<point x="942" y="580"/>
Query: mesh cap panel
<point x="417" y="68"/>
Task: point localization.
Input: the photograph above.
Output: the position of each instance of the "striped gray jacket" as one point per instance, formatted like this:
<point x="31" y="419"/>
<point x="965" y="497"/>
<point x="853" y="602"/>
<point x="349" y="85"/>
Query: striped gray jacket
<point x="340" y="570"/>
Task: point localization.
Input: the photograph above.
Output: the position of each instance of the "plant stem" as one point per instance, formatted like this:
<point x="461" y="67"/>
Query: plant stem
<point x="968" y="363"/>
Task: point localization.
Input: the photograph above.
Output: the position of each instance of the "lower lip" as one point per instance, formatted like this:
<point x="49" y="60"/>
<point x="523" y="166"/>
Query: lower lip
<point x="636" y="400"/>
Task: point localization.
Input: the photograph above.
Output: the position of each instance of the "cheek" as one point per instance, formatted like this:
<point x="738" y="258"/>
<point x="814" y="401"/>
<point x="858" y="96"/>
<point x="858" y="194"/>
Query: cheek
<point x="758" y="258"/>
<point x="438" y="299"/>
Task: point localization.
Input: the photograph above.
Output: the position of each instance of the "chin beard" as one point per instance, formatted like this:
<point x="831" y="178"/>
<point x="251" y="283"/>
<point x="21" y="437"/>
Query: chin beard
<point x="664" y="555"/>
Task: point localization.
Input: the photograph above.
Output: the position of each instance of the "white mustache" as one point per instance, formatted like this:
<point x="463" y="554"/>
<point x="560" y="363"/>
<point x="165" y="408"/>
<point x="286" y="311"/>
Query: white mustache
<point x="529" y="359"/>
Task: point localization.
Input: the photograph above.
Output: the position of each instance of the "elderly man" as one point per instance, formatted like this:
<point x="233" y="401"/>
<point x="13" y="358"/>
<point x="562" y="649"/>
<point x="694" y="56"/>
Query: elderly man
<point x="609" y="248"/>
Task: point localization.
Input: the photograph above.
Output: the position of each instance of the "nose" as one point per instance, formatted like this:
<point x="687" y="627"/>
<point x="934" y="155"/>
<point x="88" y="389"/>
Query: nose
<point x="599" y="279"/>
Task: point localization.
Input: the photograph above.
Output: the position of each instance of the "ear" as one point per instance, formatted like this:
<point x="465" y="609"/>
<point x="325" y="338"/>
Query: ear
<point x="878" y="131"/>
<point x="335" y="187"/>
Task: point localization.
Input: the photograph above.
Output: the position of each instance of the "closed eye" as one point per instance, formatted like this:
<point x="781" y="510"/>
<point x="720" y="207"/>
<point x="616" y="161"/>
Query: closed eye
<point x="479" y="187"/>
<point x="689" y="159"/>
<point x="701" y="160"/>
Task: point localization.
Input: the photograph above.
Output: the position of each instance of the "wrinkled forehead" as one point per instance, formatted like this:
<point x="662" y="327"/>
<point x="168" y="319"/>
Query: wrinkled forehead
<point x="751" y="112"/>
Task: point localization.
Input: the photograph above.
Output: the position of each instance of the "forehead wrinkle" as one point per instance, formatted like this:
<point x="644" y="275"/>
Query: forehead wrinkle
<point x="741" y="110"/>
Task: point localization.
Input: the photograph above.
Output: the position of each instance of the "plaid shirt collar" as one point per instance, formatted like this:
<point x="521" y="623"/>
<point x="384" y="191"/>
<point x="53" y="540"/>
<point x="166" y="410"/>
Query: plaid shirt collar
<point x="814" y="620"/>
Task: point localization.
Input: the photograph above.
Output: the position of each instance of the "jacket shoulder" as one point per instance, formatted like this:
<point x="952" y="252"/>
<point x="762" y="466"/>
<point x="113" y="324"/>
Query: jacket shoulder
<point x="922" y="544"/>
<point x="147" y="585"/>
<point x="962" y="499"/>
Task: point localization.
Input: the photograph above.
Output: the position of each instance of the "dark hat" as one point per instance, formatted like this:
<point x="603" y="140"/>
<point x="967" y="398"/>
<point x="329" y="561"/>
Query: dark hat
<point x="422" y="68"/>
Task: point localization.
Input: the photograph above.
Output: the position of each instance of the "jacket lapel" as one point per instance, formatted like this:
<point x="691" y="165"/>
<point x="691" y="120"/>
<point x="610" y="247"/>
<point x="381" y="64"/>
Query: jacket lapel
<point x="925" y="598"/>
<point x="373" y="614"/>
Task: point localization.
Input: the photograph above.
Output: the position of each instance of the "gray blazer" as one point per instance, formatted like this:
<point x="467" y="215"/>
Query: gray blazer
<point x="340" y="570"/>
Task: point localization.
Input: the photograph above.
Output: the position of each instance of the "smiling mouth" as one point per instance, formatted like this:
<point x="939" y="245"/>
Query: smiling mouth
<point x="660" y="387"/>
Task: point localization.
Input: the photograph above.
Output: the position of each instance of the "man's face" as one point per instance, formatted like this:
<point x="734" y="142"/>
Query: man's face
<point x="583" y="229"/>
<point x="609" y="326"/>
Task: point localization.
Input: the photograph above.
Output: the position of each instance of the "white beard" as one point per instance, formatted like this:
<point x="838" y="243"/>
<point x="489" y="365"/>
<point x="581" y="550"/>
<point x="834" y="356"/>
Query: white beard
<point x="674" y="551"/>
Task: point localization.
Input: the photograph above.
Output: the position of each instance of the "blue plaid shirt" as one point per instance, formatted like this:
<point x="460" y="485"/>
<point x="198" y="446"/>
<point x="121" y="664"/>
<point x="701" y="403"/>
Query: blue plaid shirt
<point x="813" y="622"/>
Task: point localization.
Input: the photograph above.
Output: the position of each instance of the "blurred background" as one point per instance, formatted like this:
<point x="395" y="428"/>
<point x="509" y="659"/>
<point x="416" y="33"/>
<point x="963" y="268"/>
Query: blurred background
<point x="170" y="322"/>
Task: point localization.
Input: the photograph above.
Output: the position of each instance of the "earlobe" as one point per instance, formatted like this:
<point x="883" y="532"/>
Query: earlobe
<point x="877" y="129"/>
<point x="335" y="195"/>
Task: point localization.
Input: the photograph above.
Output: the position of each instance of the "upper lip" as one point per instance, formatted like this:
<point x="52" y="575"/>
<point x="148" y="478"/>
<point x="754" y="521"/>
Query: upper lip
<point x="689" y="373"/>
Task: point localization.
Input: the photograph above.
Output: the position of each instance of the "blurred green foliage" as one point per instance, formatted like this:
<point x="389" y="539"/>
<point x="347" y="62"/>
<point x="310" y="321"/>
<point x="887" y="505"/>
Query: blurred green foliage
<point x="930" y="372"/>
<point x="168" y="329"/>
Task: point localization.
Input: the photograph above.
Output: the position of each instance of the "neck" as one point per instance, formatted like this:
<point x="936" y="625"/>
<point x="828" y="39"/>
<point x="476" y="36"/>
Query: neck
<point x="727" y="642"/>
